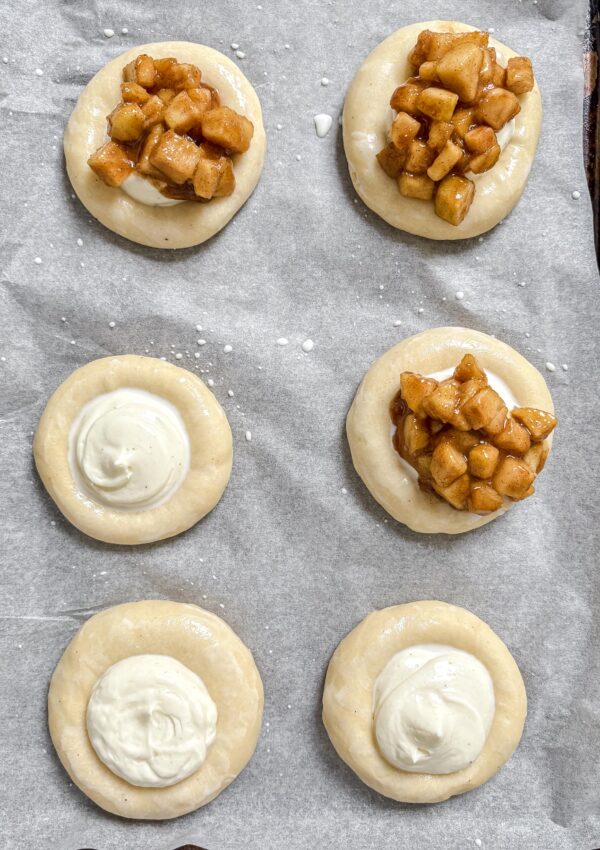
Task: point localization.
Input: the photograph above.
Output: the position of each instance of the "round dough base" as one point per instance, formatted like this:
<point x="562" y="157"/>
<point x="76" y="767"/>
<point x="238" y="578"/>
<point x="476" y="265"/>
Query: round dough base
<point x="369" y="428"/>
<point x="362" y="655"/>
<point x="367" y="117"/>
<point x="196" y="638"/>
<point x="211" y="449"/>
<point x="185" y="224"/>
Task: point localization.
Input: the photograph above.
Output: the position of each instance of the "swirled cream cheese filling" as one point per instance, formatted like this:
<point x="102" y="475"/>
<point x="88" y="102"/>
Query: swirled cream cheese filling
<point x="129" y="449"/>
<point x="433" y="706"/>
<point x="151" y="720"/>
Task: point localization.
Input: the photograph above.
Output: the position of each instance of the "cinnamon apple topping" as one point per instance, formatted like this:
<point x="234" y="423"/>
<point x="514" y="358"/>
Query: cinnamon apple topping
<point x="171" y="129"/>
<point x="447" y="118"/>
<point x="466" y="446"/>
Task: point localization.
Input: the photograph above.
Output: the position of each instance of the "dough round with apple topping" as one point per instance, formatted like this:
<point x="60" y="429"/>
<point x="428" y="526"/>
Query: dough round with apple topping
<point x="192" y="637"/>
<point x="133" y="449"/>
<point x="178" y="224"/>
<point x="405" y="202"/>
<point x="392" y="479"/>
<point x="351" y="692"/>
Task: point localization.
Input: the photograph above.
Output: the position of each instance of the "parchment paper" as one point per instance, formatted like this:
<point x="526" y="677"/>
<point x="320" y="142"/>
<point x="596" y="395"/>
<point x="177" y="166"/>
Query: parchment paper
<point x="297" y="552"/>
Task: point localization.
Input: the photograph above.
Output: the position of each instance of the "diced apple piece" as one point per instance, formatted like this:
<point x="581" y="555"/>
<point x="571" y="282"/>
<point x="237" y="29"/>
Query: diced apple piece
<point x="519" y="75"/>
<point x="428" y="72"/>
<point x="209" y="175"/>
<point x="457" y="493"/>
<point x="163" y="68"/>
<point x="134" y="93"/>
<point x="129" y="72"/>
<point x="185" y="76"/>
<point x="431" y="46"/>
<point x="513" y="478"/>
<point x="513" y="438"/>
<point x="483" y="408"/>
<point x="111" y="163"/>
<point x="497" y="108"/>
<point x="486" y="73"/>
<point x="404" y="98"/>
<point x="442" y="403"/>
<point x="423" y="463"/>
<point x="418" y="186"/>
<point x="464" y="441"/>
<point x="437" y="103"/>
<point x="391" y="159"/>
<point x="480" y="139"/>
<point x="439" y="133"/>
<point x="202" y="97"/>
<point x="445" y="161"/>
<point x="143" y="165"/>
<point x="226" y="128"/>
<point x="145" y="72"/>
<point x="483" y="460"/>
<point x="483" y="499"/>
<point x="166" y="95"/>
<point x="453" y="198"/>
<point x="403" y="130"/>
<point x="176" y="157"/>
<point x="484" y="161"/>
<point x="447" y="463"/>
<point x="499" y="76"/>
<point x="536" y="457"/>
<point x="126" y="123"/>
<point x="539" y="423"/>
<point x="469" y="369"/>
<point x="459" y="70"/>
<point x="470" y="388"/>
<point x="154" y="111"/>
<point x="414" y="389"/>
<point x="415" y="434"/>
<point x="183" y="113"/>
<point x="462" y="121"/>
<point x="419" y="157"/>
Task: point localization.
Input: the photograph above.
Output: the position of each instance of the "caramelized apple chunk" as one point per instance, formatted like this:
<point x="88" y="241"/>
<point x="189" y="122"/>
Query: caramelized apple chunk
<point x="465" y="446"/>
<point x="403" y="130"/>
<point x="439" y="133"/>
<point x="228" y="129"/>
<point x="111" y="163"/>
<point x="437" y="103"/>
<point x="392" y="159"/>
<point x="126" y="123"/>
<point x="418" y="186"/>
<point x="176" y="157"/>
<point x="419" y="158"/>
<point x="484" y="161"/>
<point x="444" y="162"/>
<point x="404" y="98"/>
<point x="134" y="93"/>
<point x="459" y="70"/>
<point x="497" y="107"/>
<point x="480" y="139"/>
<point x="214" y="176"/>
<point x="454" y="197"/>
<point x="519" y="75"/>
<point x="183" y="113"/>
<point x="539" y="423"/>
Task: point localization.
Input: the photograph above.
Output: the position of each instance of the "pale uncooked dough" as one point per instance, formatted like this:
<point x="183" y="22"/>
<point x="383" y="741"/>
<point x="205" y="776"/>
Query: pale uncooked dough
<point x="369" y="427"/>
<point x="186" y="224"/>
<point x="211" y="449"/>
<point x="203" y="643"/>
<point x="367" y="117"/>
<point x="362" y="655"/>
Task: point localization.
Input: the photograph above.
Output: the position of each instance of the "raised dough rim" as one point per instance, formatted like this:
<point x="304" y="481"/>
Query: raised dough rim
<point x="363" y="653"/>
<point x="208" y="431"/>
<point x="186" y="224"/>
<point x="195" y="637"/>
<point x="368" y="420"/>
<point x="367" y="107"/>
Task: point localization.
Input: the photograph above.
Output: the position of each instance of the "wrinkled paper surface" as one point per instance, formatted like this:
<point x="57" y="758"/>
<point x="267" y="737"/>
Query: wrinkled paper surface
<point x="298" y="552"/>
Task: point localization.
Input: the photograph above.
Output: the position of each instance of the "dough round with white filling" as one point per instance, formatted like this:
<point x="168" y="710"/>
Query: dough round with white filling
<point x="392" y="481"/>
<point x="185" y="224"/>
<point x="360" y="658"/>
<point x="210" y="449"/>
<point x="208" y="647"/>
<point x="367" y="116"/>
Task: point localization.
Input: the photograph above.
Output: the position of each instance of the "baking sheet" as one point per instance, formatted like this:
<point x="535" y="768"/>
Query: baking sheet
<point x="297" y="552"/>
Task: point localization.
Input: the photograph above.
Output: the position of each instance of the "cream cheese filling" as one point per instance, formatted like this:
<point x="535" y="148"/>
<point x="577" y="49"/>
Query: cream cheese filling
<point x="129" y="449"/>
<point x="142" y="190"/>
<point x="151" y="720"/>
<point x="433" y="707"/>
